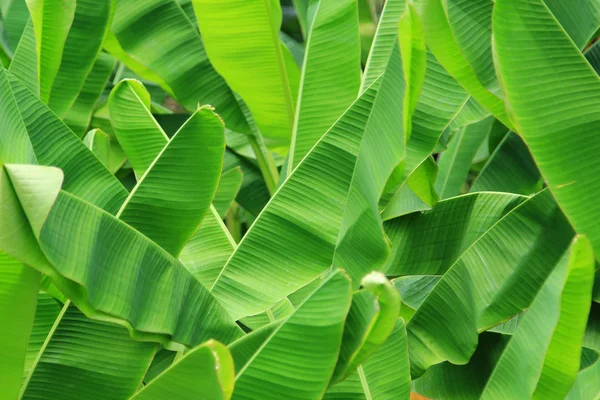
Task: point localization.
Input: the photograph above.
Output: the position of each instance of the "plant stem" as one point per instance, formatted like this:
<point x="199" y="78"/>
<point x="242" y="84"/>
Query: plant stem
<point x="266" y="163"/>
<point x="233" y="223"/>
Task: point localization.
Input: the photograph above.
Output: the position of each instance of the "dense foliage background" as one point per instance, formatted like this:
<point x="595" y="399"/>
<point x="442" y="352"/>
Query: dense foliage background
<point x="305" y="199"/>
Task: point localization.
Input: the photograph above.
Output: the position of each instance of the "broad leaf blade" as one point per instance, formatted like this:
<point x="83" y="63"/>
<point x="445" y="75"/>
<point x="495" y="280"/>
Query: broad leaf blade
<point x="261" y="76"/>
<point x="554" y="71"/>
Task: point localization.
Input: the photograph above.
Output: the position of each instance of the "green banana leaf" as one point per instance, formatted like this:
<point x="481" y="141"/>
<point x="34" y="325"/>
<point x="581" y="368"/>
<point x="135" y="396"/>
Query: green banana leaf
<point x="580" y="19"/>
<point x="369" y="323"/>
<point x="79" y="115"/>
<point x="14" y="18"/>
<point x="556" y="73"/>
<point x="173" y="195"/>
<point x="142" y="139"/>
<point x="301" y="215"/>
<point x="181" y="67"/>
<point x="228" y="189"/>
<point x="460" y="50"/>
<point x="189" y="313"/>
<point x="203" y="372"/>
<point x="510" y="169"/>
<point x="306" y="343"/>
<point x="253" y="194"/>
<point x="37" y="136"/>
<point x="440" y="102"/>
<point x="266" y="77"/>
<point x="52" y="21"/>
<point x="18" y="296"/>
<point x="417" y="193"/>
<point x="82" y="46"/>
<point x="431" y="242"/>
<point x="24" y="62"/>
<point x="587" y="385"/>
<point x="46" y="313"/>
<point x="454" y="164"/>
<point x="138" y="133"/>
<point x="541" y="358"/>
<point x="330" y="77"/>
<point x="94" y="360"/>
<point x="99" y="143"/>
<point x="510" y="261"/>
<point x="384" y="41"/>
<point x="384" y="376"/>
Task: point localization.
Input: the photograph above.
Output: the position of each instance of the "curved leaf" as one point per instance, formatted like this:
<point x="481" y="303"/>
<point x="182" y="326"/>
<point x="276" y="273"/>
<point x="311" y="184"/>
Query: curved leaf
<point x="211" y="362"/>
<point x="431" y="242"/>
<point x="37" y="136"/>
<point x="52" y="20"/>
<point x="330" y="75"/>
<point x="370" y="321"/>
<point x="385" y="375"/>
<point x="511" y="261"/>
<point x="95" y="360"/>
<point x="554" y="71"/>
<point x="181" y="67"/>
<point x="316" y="328"/>
<point x="83" y="43"/>
<point x="172" y="196"/>
<point x="262" y="77"/>
<point x="174" y="308"/>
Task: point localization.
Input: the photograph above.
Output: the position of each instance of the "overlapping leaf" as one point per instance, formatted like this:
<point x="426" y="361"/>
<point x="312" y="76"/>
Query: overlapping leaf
<point x="241" y="38"/>
<point x="494" y="279"/>
<point x="204" y="372"/>
<point x="330" y="77"/>
<point x="181" y="67"/>
<point x="554" y="72"/>
<point x="315" y="327"/>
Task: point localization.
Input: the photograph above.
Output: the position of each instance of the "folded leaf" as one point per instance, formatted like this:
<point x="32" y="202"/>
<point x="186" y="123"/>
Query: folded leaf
<point x="52" y="20"/>
<point x="36" y="135"/>
<point x="172" y="196"/>
<point x="370" y="321"/>
<point x="430" y="243"/>
<point x="175" y="308"/>
<point x="511" y="261"/>
<point x="316" y="328"/>
<point x="204" y="372"/>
